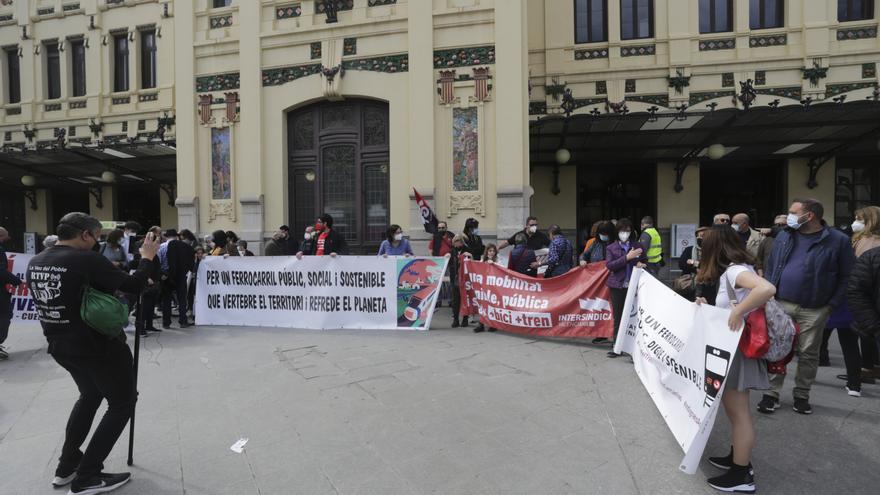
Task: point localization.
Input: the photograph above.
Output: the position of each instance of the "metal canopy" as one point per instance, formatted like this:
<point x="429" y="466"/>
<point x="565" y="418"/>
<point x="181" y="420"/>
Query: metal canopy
<point x="756" y="134"/>
<point x="81" y="166"/>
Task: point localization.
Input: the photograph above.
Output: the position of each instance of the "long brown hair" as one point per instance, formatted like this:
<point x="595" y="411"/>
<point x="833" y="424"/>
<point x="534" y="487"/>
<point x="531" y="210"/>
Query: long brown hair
<point x="871" y="216"/>
<point x="721" y="246"/>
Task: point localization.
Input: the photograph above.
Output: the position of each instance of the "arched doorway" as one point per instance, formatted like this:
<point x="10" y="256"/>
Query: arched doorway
<point x="338" y="164"/>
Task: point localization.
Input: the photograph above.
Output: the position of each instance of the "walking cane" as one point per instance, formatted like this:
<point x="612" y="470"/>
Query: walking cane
<point x="138" y="328"/>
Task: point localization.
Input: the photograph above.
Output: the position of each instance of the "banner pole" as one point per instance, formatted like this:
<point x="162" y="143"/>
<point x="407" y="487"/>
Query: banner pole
<point x="138" y="328"/>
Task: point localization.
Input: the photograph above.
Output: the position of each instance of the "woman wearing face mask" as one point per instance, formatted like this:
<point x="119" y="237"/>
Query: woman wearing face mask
<point x="598" y="246"/>
<point x="394" y="243"/>
<point x="473" y="241"/>
<point x="864" y="364"/>
<point x="622" y="256"/>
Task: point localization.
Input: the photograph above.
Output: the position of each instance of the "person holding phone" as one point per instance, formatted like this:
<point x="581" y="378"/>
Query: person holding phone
<point x="725" y="261"/>
<point x="100" y="366"/>
<point x="621" y="257"/>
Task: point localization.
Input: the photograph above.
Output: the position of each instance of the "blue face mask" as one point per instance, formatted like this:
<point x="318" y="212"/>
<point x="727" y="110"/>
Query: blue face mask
<point x="793" y="221"/>
<point x="603" y="237"/>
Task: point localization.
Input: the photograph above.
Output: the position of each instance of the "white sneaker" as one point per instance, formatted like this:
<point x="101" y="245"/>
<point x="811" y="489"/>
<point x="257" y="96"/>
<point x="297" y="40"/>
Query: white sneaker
<point x="853" y="393"/>
<point x="59" y="481"/>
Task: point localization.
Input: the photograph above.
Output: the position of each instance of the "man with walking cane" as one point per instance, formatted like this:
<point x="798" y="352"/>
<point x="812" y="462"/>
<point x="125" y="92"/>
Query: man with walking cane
<point x="98" y="360"/>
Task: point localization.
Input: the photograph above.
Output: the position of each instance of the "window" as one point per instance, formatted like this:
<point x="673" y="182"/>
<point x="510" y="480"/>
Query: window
<point x="716" y="16"/>
<point x="855" y="10"/>
<point x="857" y="186"/>
<point x="120" y="62"/>
<point x="78" y="67"/>
<point x="13" y="76"/>
<point x="148" y="59"/>
<point x="53" y="71"/>
<point x="221" y="3"/>
<point x="636" y="19"/>
<point x="590" y="21"/>
<point x="766" y="14"/>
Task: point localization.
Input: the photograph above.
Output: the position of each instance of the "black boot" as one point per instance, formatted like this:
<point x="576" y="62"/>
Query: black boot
<point x="723" y="462"/>
<point x="455" y="323"/>
<point x="479" y="328"/>
<point x="739" y="479"/>
<point x="465" y="321"/>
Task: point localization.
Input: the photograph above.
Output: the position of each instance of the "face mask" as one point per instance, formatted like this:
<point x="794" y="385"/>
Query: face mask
<point x="477" y="231"/>
<point x="533" y="229"/>
<point x="128" y="234"/>
<point x="858" y="226"/>
<point x="735" y="227"/>
<point x="307" y="236"/>
<point x="699" y="242"/>
<point x="623" y="236"/>
<point x="398" y="237"/>
<point x="441" y="231"/>
<point x="319" y="227"/>
<point x="603" y="237"/>
<point x="793" y="221"/>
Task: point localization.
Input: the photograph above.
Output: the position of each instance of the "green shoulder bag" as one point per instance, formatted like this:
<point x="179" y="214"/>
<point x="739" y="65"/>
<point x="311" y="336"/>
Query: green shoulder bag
<point x="104" y="313"/>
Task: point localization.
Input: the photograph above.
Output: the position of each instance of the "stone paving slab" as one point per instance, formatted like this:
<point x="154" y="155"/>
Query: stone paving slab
<point x="395" y="412"/>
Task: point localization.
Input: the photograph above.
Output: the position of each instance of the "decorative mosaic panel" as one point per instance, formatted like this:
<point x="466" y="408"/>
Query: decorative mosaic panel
<point x="70" y="6"/>
<point x="717" y="44"/>
<point x="217" y="82"/>
<point x="221" y="164"/>
<point x="315" y="50"/>
<point x="46" y="11"/>
<point x="221" y="21"/>
<point x="288" y="11"/>
<point x="148" y="97"/>
<point x="349" y="46"/>
<point x="585" y="102"/>
<point x="321" y="5"/>
<point x="122" y="100"/>
<point x="869" y="71"/>
<point x="708" y="95"/>
<point x="52" y="107"/>
<point x="373" y="3"/>
<point x="769" y="40"/>
<point x="465" y="150"/>
<point x="537" y="108"/>
<point x="760" y="77"/>
<point x="637" y="50"/>
<point x="836" y="89"/>
<point x="857" y="33"/>
<point x="659" y="100"/>
<point x="77" y="104"/>
<point x="601" y="88"/>
<point x="629" y="86"/>
<point x="463" y="57"/>
<point x="4" y="18"/>
<point x="590" y="53"/>
<point x="281" y="75"/>
<point x="793" y="92"/>
<point x="390" y="63"/>
<point x="727" y="80"/>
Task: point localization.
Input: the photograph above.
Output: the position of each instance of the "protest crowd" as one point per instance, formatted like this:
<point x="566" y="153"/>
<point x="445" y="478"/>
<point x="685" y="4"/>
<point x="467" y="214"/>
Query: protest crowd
<point x="826" y="279"/>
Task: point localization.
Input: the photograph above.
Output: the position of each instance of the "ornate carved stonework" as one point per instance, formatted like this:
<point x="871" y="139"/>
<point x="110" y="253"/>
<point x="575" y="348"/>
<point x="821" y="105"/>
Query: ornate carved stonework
<point x="463" y="57"/>
<point x="281" y="75"/>
<point x="467" y="201"/>
<point x="221" y="208"/>
<point x="217" y="82"/>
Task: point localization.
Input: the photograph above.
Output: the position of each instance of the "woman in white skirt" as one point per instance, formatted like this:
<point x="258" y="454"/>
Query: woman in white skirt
<point x="724" y="260"/>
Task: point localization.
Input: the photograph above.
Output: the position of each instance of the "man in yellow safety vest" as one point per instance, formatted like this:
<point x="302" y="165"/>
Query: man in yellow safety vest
<point x="652" y="245"/>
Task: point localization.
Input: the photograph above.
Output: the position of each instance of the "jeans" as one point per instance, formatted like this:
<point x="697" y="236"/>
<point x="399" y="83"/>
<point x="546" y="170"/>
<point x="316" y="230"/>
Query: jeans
<point x="812" y="322"/>
<point x="5" y="314"/>
<point x="849" y="344"/>
<point x="104" y="377"/>
<point x="618" y="299"/>
<point x="174" y="288"/>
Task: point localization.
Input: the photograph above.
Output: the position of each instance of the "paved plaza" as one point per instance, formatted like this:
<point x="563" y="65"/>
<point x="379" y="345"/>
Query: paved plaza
<point x="395" y="412"/>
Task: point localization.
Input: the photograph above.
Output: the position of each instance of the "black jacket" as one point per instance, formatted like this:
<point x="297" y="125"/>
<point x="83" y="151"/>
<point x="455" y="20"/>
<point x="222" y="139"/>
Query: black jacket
<point x="474" y="245"/>
<point x="863" y="293"/>
<point x="181" y="258"/>
<point x="6" y="277"/>
<point x="334" y="243"/>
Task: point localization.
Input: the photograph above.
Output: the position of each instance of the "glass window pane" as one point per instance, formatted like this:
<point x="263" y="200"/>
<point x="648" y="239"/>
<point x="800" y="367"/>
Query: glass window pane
<point x="597" y="21"/>
<point x="755" y="14"/>
<point x="120" y="63"/>
<point x="644" y="13"/>
<point x="78" y="68"/>
<point x="303" y="201"/>
<point x="722" y="16"/>
<point x="705" y="16"/>
<point x="376" y="202"/>
<point x="627" y="18"/>
<point x="13" y="76"/>
<point x="148" y="59"/>
<point x="339" y="188"/>
<point x="53" y="72"/>
<point x="581" y="21"/>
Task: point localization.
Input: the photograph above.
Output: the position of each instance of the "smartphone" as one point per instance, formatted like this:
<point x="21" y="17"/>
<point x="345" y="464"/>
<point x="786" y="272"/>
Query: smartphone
<point x="717" y="361"/>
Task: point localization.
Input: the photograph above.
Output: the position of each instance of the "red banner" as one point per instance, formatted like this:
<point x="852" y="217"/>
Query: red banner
<point x="574" y="305"/>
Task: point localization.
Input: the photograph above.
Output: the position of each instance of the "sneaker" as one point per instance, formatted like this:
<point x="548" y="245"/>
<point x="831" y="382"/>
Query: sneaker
<point x="101" y="483"/>
<point x="61" y="480"/>
<point x="491" y="329"/>
<point x="802" y="406"/>
<point x="768" y="404"/>
<point x="4" y="354"/>
<point x="455" y="323"/>
<point x="479" y="328"/>
<point x="154" y="329"/>
<point x="185" y="324"/>
<point x="599" y="340"/>
<point x="853" y="392"/>
<point x="612" y="355"/>
<point x="724" y="463"/>
<point x="740" y="479"/>
<point x="465" y="321"/>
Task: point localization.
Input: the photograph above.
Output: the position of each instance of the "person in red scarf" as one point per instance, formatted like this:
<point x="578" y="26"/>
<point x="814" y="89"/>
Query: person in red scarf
<point x="328" y="241"/>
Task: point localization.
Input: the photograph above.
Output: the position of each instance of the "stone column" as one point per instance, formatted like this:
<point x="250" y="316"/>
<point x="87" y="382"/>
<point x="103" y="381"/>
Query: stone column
<point x="186" y="119"/>
<point x="511" y="117"/>
<point x="422" y="172"/>
<point x="249" y="130"/>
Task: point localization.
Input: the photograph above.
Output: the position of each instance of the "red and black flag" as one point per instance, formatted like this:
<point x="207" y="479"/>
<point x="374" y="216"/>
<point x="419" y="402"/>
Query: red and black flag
<point x="429" y="220"/>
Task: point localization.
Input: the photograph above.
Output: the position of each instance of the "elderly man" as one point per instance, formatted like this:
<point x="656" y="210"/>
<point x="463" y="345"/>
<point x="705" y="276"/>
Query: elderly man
<point x="721" y="219"/>
<point x="751" y="238"/>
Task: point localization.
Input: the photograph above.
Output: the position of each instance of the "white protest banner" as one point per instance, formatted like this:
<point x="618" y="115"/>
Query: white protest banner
<point x="23" y="309"/>
<point x="366" y="292"/>
<point x="682" y="353"/>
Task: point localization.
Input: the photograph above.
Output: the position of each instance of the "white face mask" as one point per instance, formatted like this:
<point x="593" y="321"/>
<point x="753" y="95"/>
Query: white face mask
<point x="858" y="226"/>
<point x="476" y="231"/>
<point x="603" y="237"/>
<point x="398" y="237"/>
<point x="307" y="236"/>
<point x="623" y="236"/>
<point x="533" y="229"/>
<point x="735" y="227"/>
<point x="128" y="234"/>
<point x="241" y="251"/>
<point x="793" y="221"/>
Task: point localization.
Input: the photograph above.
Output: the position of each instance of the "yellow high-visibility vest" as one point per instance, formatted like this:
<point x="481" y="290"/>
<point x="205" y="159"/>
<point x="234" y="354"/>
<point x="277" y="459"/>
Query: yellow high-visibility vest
<point x="655" y="252"/>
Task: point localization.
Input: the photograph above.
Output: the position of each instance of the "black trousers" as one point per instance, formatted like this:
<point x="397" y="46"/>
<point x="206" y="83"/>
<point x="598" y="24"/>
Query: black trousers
<point x="174" y="288"/>
<point x="618" y="299"/>
<point x="5" y="314"/>
<point x="849" y="345"/>
<point x="869" y="352"/>
<point x="148" y="312"/>
<point x="456" y="301"/>
<point x="97" y="377"/>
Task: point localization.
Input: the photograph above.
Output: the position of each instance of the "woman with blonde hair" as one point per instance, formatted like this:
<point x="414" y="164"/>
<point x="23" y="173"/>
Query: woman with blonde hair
<point x="866" y="229"/>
